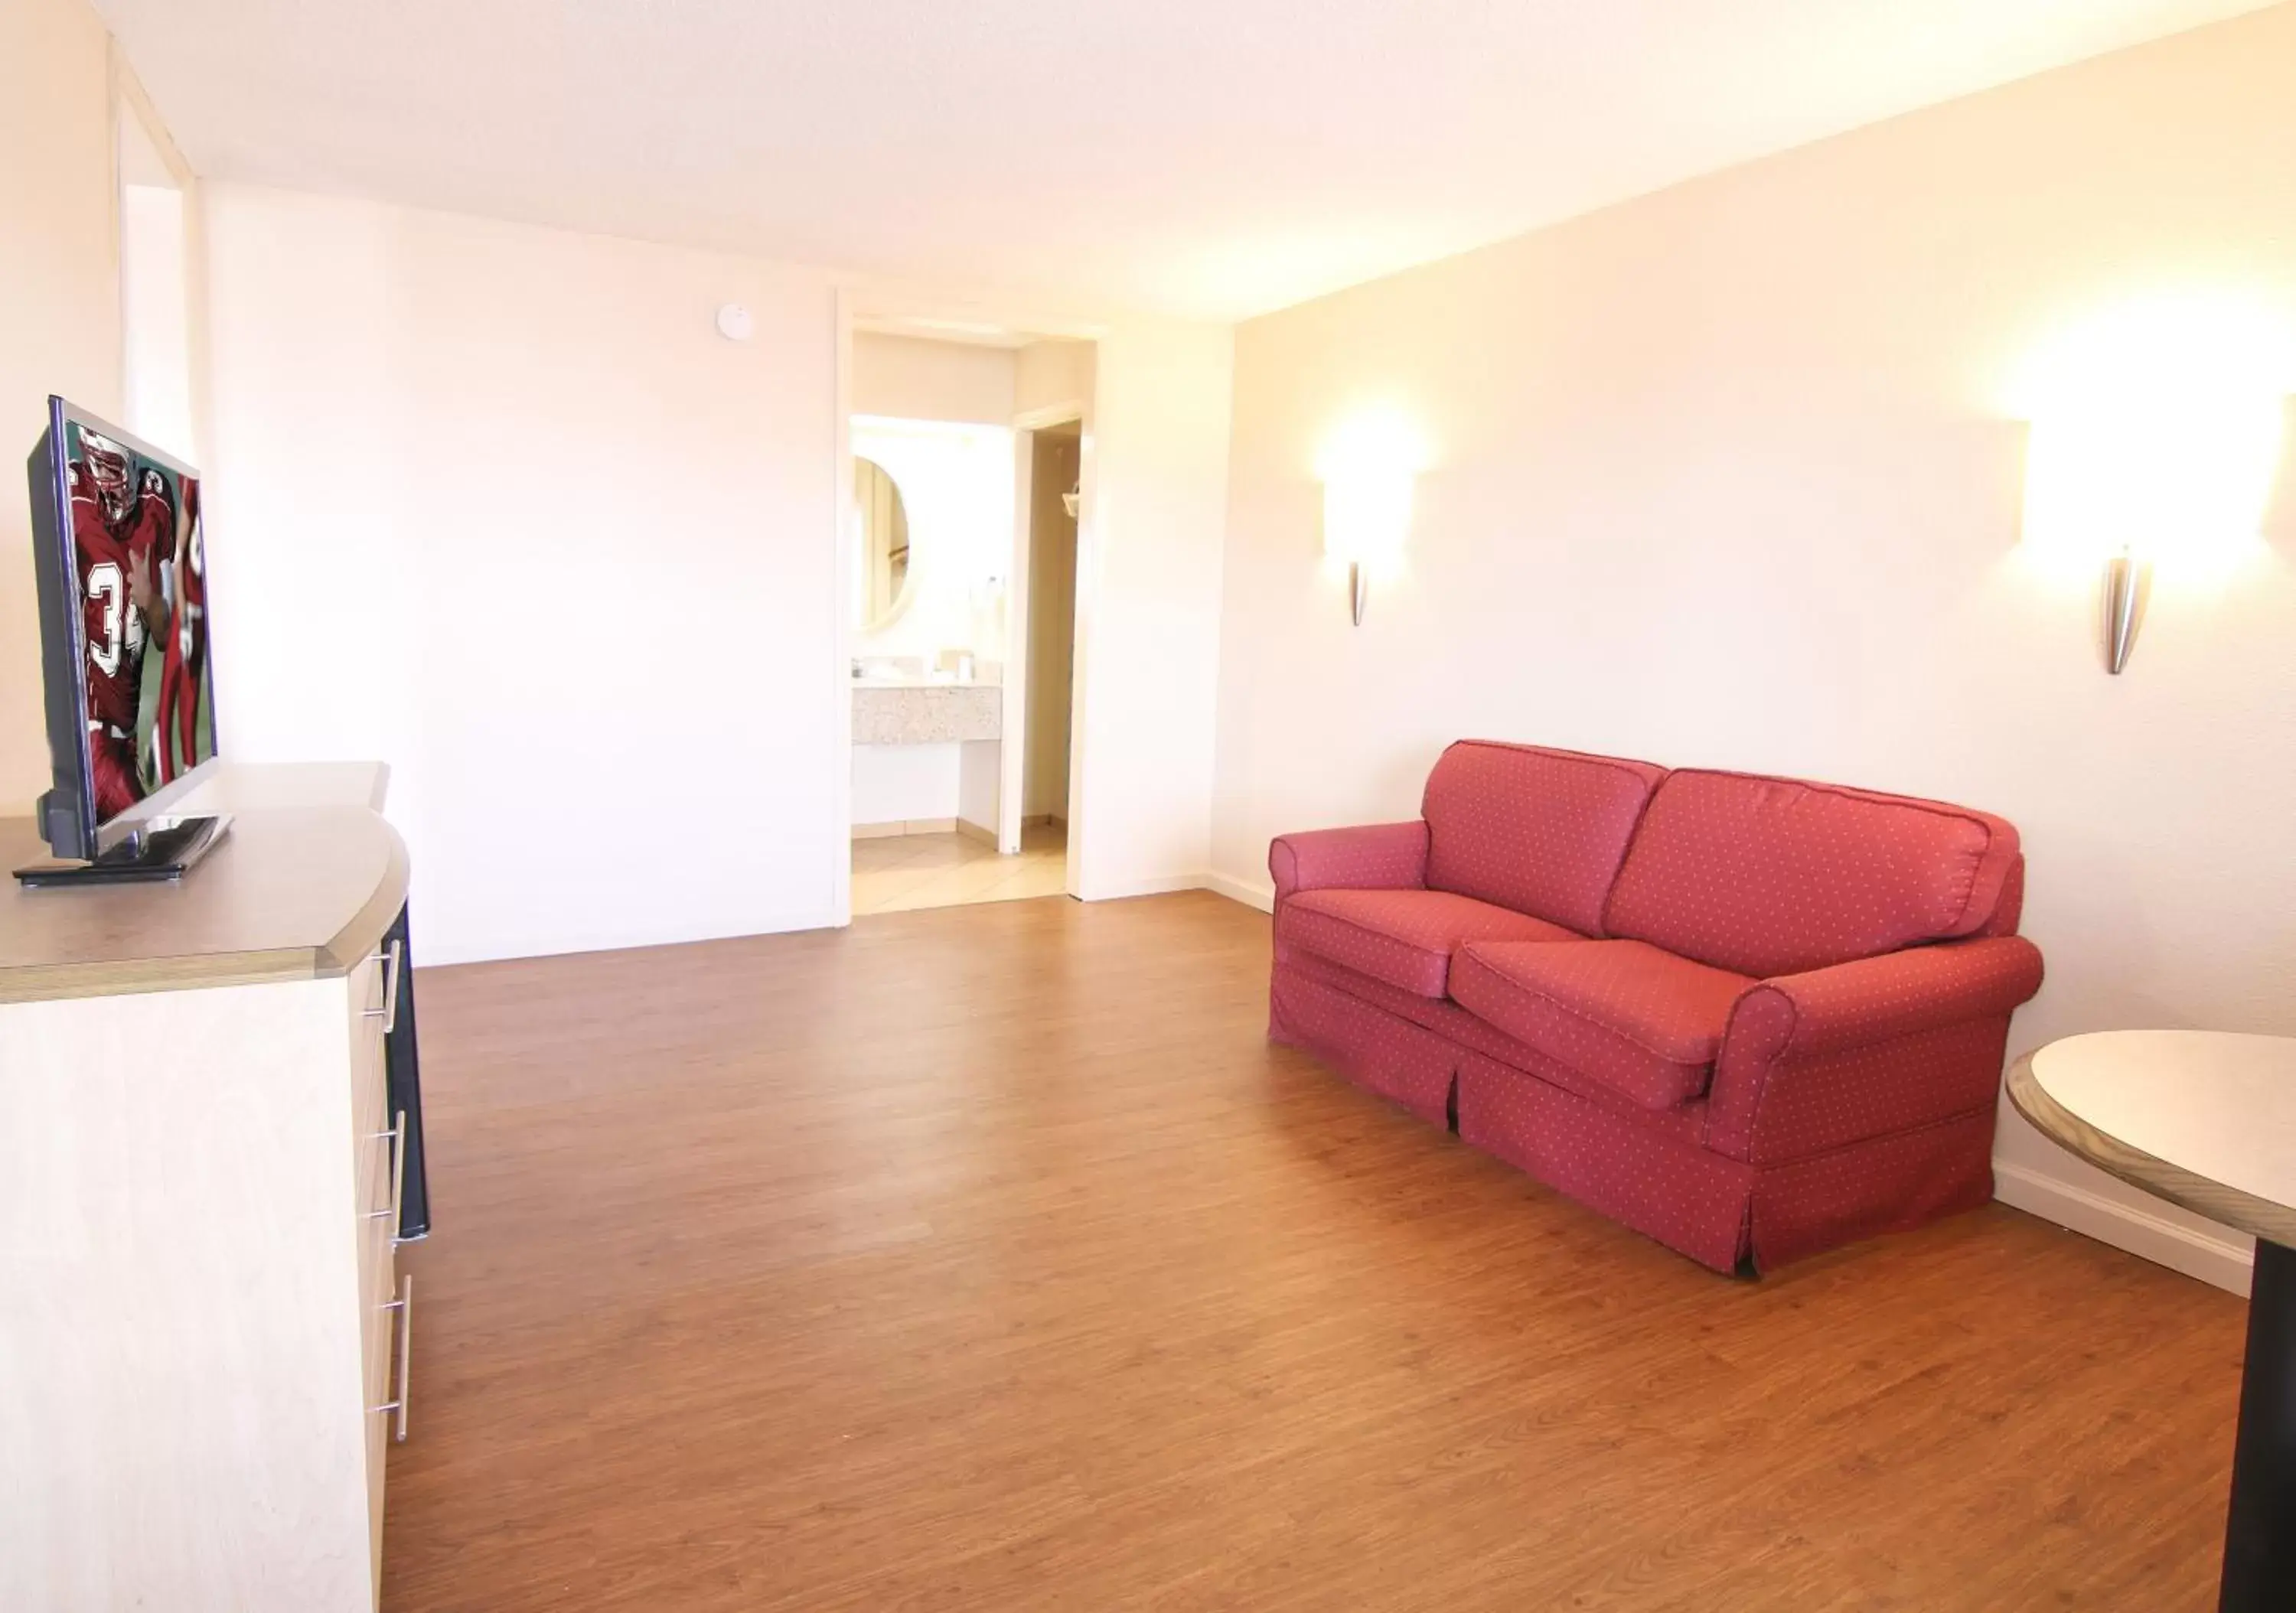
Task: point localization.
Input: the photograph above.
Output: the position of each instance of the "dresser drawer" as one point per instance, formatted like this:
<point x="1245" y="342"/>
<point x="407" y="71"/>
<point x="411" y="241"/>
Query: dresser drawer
<point x="386" y="1333"/>
<point x="378" y="1288"/>
<point x="371" y="993"/>
<point x="372" y="1002"/>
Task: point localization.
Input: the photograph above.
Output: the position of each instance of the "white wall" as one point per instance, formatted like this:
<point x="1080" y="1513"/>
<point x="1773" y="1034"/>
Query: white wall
<point x="980" y="761"/>
<point x="1148" y="622"/>
<point x="906" y="783"/>
<point x="155" y="295"/>
<point x="912" y="379"/>
<point x="155" y="304"/>
<point x="1731" y="474"/>
<point x="498" y="505"/>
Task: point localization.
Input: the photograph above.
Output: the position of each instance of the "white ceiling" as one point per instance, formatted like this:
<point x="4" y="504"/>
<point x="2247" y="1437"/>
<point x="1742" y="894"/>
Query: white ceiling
<point x="1217" y="158"/>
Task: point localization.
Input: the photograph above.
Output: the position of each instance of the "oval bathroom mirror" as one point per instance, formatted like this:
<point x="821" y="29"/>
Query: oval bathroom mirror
<point x="881" y="587"/>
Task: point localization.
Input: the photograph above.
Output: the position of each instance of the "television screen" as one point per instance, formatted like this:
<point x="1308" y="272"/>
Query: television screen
<point x="125" y="628"/>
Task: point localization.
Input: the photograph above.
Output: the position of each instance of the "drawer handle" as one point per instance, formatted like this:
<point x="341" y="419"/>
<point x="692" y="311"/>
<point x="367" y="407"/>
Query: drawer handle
<point x="396" y="1405"/>
<point x="393" y="965"/>
<point x="397" y="1136"/>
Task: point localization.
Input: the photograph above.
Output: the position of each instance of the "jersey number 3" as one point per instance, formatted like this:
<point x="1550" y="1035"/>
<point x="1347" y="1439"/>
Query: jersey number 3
<point x="107" y="588"/>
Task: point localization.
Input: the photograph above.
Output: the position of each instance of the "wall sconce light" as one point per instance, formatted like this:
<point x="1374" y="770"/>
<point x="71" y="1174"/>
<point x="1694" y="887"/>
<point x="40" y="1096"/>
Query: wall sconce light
<point x="1366" y="516"/>
<point x="2157" y="432"/>
<point x="2142" y="486"/>
<point x="2126" y="584"/>
<point x="1368" y="475"/>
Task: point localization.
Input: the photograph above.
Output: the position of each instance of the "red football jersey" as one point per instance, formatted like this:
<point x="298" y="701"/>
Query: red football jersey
<point x="113" y="630"/>
<point x="151" y="533"/>
<point x="108" y="558"/>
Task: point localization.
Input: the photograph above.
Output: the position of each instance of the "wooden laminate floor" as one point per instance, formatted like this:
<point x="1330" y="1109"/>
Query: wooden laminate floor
<point x="987" y="1257"/>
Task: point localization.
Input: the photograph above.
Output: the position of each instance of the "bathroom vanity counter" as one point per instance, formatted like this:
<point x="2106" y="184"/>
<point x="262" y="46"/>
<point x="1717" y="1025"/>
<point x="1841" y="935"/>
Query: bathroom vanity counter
<point x="891" y="712"/>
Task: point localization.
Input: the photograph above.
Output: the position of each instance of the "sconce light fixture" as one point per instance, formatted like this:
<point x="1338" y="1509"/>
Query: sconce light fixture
<point x="1367" y="473"/>
<point x="2125" y="580"/>
<point x="2157" y="431"/>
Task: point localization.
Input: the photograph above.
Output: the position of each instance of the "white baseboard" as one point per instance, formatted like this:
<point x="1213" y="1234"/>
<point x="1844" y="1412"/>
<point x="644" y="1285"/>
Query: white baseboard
<point x="899" y="826"/>
<point x="2222" y="1259"/>
<point x="972" y="830"/>
<point x="447" y="951"/>
<point x="1262" y="896"/>
<point x="1161" y="885"/>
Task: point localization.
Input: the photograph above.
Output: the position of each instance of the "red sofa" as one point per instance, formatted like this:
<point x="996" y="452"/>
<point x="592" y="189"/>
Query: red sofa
<point x="1753" y="1018"/>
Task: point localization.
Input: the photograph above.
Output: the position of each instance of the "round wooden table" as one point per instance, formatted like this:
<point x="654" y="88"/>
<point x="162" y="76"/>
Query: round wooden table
<point x="2208" y="1121"/>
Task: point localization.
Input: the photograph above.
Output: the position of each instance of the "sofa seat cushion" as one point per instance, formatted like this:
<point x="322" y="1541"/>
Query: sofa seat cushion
<point x="1403" y="938"/>
<point x="1643" y="1021"/>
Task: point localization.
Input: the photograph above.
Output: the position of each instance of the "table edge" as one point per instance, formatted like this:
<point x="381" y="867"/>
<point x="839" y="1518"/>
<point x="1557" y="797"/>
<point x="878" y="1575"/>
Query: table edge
<point x="2228" y="1206"/>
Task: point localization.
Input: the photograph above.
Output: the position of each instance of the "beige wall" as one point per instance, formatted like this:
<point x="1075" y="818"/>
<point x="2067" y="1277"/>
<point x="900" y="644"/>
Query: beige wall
<point x="59" y="309"/>
<point x="63" y="90"/>
<point x="1733" y="475"/>
<point x="910" y="378"/>
<point x="1054" y="467"/>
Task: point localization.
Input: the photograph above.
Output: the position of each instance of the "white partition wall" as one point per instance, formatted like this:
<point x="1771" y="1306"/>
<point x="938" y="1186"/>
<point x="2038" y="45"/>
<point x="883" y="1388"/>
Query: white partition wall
<point x="1148" y="602"/>
<point x="501" y="506"/>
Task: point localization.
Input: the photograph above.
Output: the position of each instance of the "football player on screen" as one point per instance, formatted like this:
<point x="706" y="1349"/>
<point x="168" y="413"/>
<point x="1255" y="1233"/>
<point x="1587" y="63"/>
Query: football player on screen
<point x="117" y="529"/>
<point x="175" y="736"/>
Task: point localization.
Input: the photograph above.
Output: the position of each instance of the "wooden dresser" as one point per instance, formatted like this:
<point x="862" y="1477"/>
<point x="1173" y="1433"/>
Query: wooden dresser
<point x="203" y="1341"/>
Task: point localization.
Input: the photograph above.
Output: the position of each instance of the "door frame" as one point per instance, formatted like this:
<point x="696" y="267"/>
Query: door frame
<point x="1020" y="610"/>
<point x="844" y="515"/>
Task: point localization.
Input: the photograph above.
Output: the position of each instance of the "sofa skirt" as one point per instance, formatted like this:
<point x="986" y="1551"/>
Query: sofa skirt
<point x="1721" y="1212"/>
<point x="1689" y="1200"/>
<point x="1379" y="1051"/>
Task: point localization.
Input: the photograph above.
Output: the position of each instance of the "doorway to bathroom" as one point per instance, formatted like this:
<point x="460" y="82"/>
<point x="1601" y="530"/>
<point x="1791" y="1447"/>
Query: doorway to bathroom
<point x="962" y="560"/>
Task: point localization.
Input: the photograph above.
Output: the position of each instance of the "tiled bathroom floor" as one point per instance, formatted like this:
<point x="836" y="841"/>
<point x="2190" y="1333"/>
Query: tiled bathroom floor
<point x="895" y="872"/>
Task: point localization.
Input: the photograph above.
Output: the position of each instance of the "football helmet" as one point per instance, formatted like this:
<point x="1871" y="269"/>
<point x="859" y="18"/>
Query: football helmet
<point x="109" y="469"/>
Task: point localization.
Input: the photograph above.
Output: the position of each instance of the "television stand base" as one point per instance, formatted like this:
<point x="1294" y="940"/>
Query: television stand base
<point x="160" y="849"/>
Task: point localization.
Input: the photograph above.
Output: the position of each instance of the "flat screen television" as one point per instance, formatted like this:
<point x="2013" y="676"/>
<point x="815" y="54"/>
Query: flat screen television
<point x="126" y="637"/>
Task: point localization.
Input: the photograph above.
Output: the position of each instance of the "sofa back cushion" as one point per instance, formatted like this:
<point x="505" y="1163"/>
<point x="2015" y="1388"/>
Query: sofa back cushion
<point x="1775" y="876"/>
<point x="1542" y="831"/>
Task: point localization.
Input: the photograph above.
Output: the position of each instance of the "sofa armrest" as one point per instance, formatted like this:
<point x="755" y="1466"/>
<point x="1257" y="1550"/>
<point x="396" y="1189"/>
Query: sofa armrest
<point x="1819" y="1059"/>
<point x="1876" y="999"/>
<point x="1365" y="857"/>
